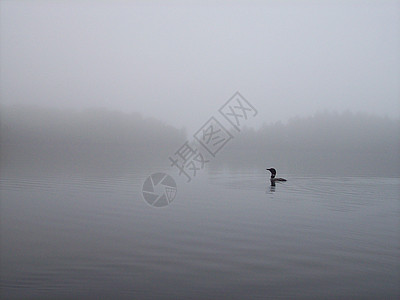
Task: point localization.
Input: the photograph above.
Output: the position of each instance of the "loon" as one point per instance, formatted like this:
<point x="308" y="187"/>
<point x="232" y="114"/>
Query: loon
<point x="273" y="179"/>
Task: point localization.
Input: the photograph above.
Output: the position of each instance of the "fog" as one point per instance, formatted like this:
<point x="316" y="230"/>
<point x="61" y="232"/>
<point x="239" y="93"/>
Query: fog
<point x="112" y="84"/>
<point x="180" y="61"/>
<point x="98" y="100"/>
<point x="95" y="139"/>
<point x="341" y="144"/>
<point x="99" y="140"/>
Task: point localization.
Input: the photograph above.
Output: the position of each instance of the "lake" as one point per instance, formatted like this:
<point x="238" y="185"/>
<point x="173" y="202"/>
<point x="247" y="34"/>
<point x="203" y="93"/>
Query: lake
<point x="227" y="234"/>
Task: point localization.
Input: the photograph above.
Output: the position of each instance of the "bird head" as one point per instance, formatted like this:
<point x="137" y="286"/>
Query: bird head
<point x="273" y="171"/>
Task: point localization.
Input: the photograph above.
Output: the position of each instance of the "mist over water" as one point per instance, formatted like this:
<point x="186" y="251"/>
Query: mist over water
<point x="97" y="96"/>
<point x="100" y="140"/>
<point x="228" y="234"/>
<point x="74" y="223"/>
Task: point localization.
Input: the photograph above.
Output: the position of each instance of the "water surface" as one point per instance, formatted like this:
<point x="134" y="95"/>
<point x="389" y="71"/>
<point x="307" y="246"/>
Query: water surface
<point x="226" y="235"/>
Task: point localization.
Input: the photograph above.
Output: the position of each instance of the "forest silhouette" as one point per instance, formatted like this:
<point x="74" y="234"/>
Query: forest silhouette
<point x="343" y="144"/>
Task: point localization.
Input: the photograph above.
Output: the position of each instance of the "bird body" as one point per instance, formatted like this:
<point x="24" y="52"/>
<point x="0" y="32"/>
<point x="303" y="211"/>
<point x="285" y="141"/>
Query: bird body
<point x="274" y="179"/>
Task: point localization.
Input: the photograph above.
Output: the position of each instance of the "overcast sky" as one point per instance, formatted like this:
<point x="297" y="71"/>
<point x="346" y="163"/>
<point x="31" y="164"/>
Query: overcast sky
<point x="180" y="62"/>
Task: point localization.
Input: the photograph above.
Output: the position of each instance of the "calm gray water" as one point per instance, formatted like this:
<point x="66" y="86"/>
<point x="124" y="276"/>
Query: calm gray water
<point x="227" y="235"/>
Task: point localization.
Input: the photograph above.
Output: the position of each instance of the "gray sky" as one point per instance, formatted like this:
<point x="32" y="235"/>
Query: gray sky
<point x="180" y="62"/>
